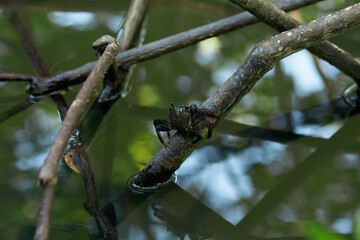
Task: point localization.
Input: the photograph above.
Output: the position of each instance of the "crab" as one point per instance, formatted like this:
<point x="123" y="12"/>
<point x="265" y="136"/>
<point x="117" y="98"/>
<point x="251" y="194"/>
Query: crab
<point x="185" y="119"/>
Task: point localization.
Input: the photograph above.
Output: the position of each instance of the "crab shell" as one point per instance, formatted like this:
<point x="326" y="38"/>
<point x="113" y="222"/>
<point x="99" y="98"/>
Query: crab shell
<point x="179" y="118"/>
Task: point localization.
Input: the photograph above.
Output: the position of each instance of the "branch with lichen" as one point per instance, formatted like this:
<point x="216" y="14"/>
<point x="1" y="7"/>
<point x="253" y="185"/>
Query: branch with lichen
<point x="260" y="60"/>
<point x="279" y="20"/>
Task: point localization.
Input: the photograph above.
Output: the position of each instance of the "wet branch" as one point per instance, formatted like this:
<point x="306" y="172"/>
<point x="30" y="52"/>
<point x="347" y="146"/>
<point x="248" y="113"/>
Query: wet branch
<point x="279" y="20"/>
<point x="261" y="59"/>
<point x="159" y="48"/>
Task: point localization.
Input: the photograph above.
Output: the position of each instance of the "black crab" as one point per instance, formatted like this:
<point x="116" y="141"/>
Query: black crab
<point x="185" y="119"/>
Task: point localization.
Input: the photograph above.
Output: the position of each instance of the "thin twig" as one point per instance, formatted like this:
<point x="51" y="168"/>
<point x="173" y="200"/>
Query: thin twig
<point x="17" y="108"/>
<point x="261" y="59"/>
<point x="160" y="47"/>
<point x="48" y="172"/>
<point x="29" y="45"/>
<point x="279" y="20"/>
<point x="92" y="203"/>
<point x="16" y="77"/>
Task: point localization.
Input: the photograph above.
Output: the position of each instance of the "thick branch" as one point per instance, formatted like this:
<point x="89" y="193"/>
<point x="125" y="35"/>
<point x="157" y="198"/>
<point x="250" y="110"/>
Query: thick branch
<point x="261" y="59"/>
<point x="160" y="47"/>
<point x="279" y="20"/>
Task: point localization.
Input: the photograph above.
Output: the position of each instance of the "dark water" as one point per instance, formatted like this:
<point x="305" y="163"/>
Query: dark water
<point x="283" y="164"/>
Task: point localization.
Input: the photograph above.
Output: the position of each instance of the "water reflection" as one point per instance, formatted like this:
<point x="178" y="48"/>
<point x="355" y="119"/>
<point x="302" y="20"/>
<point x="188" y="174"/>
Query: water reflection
<point x="306" y="78"/>
<point x="34" y="140"/>
<point x="77" y="20"/>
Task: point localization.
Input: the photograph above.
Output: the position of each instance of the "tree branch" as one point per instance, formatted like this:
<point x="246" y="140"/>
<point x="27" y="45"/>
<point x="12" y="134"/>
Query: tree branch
<point x="48" y="172"/>
<point x="15" y="77"/>
<point x="279" y="20"/>
<point x="159" y="48"/>
<point x="261" y="59"/>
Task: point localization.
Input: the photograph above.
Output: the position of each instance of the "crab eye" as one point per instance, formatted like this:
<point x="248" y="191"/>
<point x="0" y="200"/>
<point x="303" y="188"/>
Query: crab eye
<point x="193" y="107"/>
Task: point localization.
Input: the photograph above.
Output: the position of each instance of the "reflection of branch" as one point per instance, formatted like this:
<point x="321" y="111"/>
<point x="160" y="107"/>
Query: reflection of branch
<point x="160" y="47"/>
<point x="347" y="135"/>
<point x="180" y="207"/>
<point x="277" y="19"/>
<point x="260" y="60"/>
<point x="92" y="203"/>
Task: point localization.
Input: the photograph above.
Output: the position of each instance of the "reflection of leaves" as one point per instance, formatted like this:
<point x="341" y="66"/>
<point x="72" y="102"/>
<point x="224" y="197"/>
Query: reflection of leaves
<point x="316" y="231"/>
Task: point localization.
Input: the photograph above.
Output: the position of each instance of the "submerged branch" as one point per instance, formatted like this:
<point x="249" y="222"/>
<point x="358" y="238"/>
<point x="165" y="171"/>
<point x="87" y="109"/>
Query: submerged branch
<point x="279" y="20"/>
<point x="160" y="47"/>
<point x="261" y="59"/>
